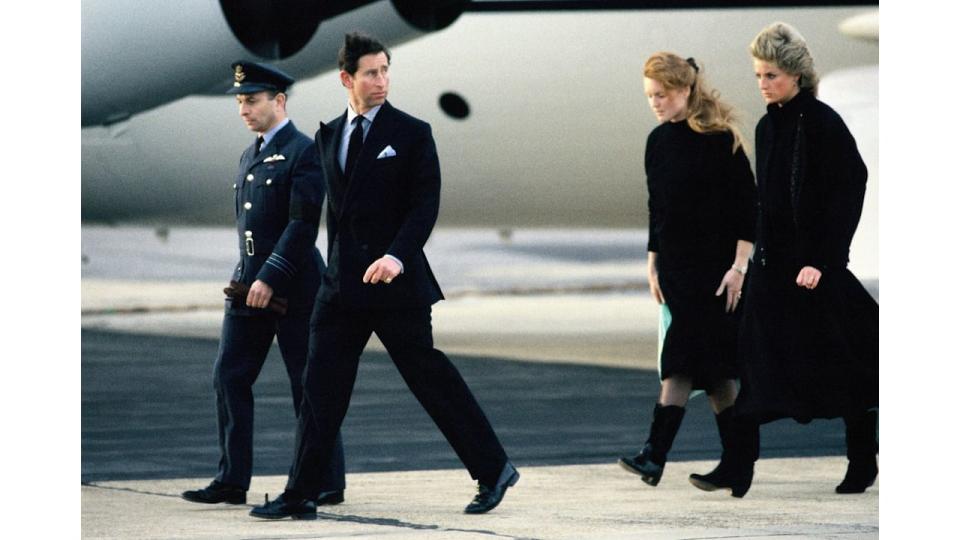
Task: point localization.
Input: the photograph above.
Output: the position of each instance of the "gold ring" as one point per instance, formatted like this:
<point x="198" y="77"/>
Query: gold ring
<point x="388" y="280"/>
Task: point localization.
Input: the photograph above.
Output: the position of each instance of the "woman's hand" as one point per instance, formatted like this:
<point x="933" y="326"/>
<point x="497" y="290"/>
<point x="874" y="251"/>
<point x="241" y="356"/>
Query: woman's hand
<point x="653" y="278"/>
<point x="732" y="283"/>
<point x="808" y="277"/>
<point x="655" y="291"/>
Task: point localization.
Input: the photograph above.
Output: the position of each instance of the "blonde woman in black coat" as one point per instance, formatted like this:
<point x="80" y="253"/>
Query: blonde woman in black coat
<point x="809" y="336"/>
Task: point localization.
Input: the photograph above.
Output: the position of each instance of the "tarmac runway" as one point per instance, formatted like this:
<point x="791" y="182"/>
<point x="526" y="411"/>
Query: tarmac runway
<point x="148" y="412"/>
<point x="553" y="331"/>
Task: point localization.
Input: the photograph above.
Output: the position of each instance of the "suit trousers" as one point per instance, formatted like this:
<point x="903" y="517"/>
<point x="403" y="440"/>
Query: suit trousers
<point x="244" y="344"/>
<point x="337" y="338"/>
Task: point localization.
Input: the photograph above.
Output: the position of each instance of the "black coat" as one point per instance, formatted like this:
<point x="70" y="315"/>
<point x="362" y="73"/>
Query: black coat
<point x="807" y="353"/>
<point x="279" y="197"/>
<point x="812" y="183"/>
<point x="388" y="206"/>
<point x="702" y="201"/>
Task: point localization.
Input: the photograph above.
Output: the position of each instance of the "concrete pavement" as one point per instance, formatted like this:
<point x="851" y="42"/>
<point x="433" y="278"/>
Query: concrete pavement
<point x="790" y="497"/>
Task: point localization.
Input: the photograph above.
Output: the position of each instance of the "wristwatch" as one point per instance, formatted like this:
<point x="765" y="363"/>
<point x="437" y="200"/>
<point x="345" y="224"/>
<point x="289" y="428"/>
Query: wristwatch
<point x="741" y="269"/>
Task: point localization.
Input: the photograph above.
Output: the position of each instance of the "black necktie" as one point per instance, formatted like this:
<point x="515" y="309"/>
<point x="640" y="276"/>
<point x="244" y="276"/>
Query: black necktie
<point x="259" y="145"/>
<point x="353" y="150"/>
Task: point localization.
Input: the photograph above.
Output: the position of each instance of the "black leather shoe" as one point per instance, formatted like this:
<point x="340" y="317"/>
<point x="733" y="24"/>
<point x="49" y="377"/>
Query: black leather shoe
<point x="330" y="498"/>
<point x="736" y="478"/>
<point x="285" y="506"/>
<point x="861" y="474"/>
<point x="216" y="493"/>
<point x="488" y="497"/>
<point x="641" y="464"/>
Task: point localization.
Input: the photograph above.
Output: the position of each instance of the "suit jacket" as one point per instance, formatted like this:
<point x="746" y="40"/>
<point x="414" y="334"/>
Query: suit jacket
<point x="388" y="206"/>
<point x="279" y="197"/>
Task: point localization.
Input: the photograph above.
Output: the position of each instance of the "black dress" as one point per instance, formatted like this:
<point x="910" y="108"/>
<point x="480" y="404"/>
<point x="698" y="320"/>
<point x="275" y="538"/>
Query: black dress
<point x="807" y="353"/>
<point x="702" y="199"/>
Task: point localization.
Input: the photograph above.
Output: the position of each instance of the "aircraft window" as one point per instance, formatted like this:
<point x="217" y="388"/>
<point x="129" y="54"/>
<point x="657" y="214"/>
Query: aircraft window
<point x="454" y="105"/>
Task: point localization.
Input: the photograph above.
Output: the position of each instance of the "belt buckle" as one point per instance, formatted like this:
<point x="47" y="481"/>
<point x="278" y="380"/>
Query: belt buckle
<point x="249" y="246"/>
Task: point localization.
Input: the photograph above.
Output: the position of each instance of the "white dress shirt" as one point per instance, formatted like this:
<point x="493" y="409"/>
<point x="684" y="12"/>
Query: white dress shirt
<point x="368" y="118"/>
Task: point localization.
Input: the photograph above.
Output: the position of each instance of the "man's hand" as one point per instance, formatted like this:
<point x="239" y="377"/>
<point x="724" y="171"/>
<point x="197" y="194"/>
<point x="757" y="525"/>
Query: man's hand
<point x="259" y="295"/>
<point x="383" y="269"/>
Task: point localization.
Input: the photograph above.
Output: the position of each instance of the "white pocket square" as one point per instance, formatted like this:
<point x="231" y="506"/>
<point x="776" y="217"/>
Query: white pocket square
<point x="387" y="152"/>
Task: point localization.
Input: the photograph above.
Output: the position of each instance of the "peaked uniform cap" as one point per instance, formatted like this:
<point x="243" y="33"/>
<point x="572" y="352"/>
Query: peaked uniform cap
<point x="253" y="77"/>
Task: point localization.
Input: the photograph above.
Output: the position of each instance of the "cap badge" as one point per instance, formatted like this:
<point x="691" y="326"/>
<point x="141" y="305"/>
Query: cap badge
<point x="239" y="76"/>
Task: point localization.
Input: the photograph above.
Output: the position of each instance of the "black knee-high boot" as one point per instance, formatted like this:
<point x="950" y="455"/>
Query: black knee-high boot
<point x="650" y="461"/>
<point x="862" y="451"/>
<point x="740" y="437"/>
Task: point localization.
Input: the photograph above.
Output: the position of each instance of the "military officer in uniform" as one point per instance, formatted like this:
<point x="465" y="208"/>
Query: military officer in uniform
<point x="279" y="192"/>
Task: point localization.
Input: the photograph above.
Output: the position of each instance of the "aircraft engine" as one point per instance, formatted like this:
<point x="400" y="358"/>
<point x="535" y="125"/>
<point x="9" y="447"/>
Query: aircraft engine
<point x="163" y="51"/>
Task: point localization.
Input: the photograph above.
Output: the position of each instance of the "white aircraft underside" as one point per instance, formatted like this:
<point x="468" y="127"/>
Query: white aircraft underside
<point x="557" y="118"/>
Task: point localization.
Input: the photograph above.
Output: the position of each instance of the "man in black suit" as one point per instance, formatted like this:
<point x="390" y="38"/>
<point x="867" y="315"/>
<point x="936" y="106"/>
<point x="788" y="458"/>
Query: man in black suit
<point x="278" y="195"/>
<point x="383" y="182"/>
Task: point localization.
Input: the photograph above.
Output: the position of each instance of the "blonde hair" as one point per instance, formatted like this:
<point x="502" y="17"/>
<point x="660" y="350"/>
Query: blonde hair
<point x="706" y="113"/>
<point x="781" y="44"/>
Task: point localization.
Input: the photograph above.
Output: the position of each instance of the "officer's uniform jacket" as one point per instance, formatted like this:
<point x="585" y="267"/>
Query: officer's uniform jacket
<point x="279" y="196"/>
